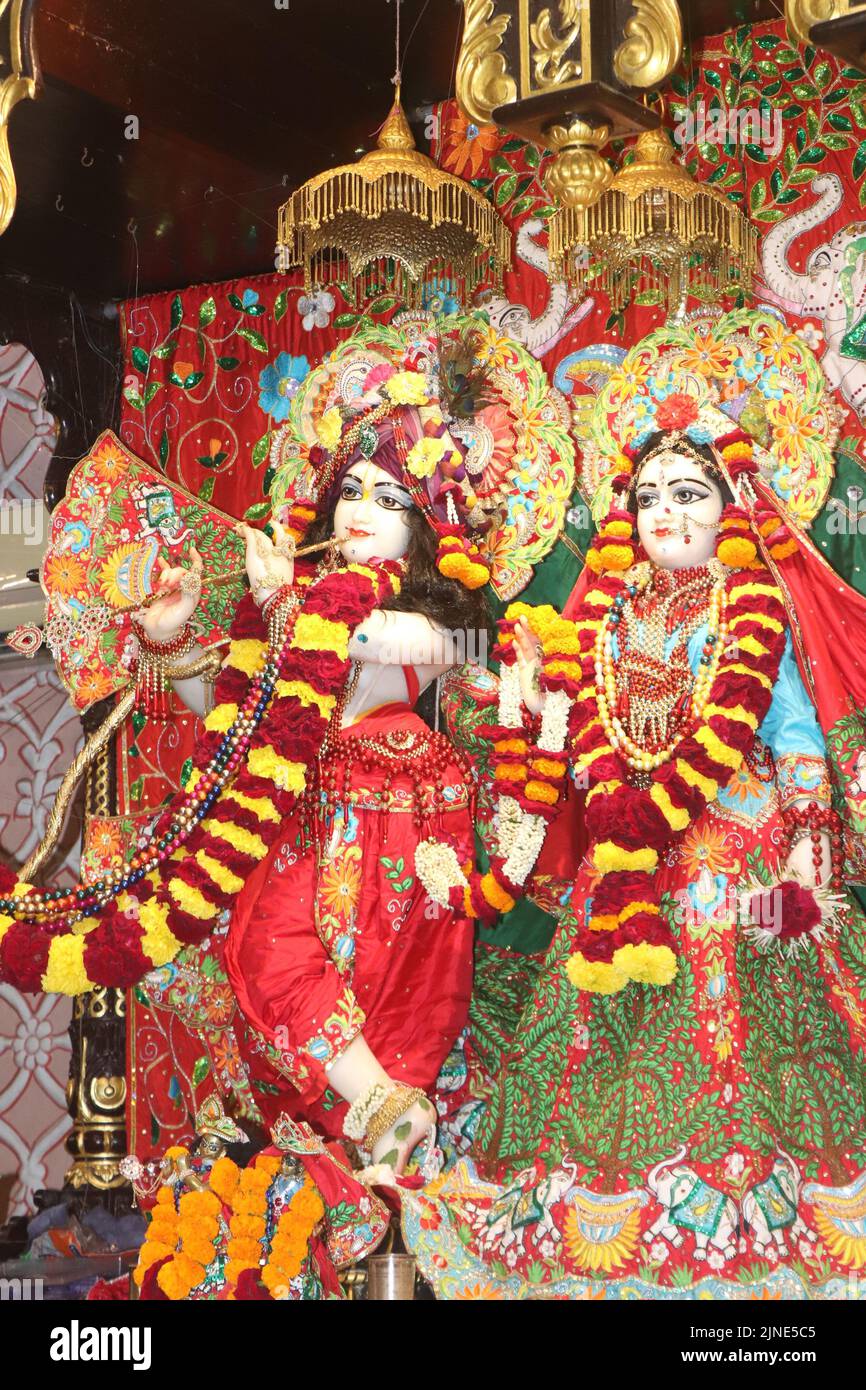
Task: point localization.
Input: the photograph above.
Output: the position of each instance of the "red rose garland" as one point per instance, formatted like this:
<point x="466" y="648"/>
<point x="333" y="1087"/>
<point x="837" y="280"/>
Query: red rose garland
<point x="207" y="841"/>
<point x="631" y="827"/>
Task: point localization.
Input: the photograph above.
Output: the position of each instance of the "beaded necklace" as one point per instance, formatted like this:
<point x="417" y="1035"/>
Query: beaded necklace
<point x="647" y="698"/>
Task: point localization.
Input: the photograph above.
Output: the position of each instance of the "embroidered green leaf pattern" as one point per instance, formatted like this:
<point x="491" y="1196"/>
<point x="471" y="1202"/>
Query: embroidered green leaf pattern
<point x="200" y="1069"/>
<point x="343" y="1214"/>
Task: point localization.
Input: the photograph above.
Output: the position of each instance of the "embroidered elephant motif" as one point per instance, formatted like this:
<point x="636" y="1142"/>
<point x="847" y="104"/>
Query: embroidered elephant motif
<point x="524" y="1208"/>
<point x="832" y="287"/>
<point x="691" y="1204"/>
<point x="770" y="1208"/>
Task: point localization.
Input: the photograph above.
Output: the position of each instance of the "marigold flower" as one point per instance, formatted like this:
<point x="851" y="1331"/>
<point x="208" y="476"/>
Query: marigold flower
<point x="243" y="1248"/>
<point x="407" y="388"/>
<point x="224" y="1177"/>
<point x="329" y="429"/>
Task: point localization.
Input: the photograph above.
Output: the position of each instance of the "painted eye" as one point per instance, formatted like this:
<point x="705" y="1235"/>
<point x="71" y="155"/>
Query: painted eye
<point x="392" y="504"/>
<point x="646" y="499"/>
<point x="349" y="492"/>
<point x="686" y="495"/>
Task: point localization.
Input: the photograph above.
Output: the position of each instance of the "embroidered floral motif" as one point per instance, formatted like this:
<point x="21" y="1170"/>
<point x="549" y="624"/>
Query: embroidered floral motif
<point x="798" y="775"/>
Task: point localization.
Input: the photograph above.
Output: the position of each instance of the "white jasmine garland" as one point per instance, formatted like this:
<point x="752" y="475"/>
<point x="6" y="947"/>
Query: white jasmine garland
<point x="526" y="848"/>
<point x="509" y="819"/>
<point x="510" y="701"/>
<point x="363" y="1108"/>
<point x="438" y="868"/>
<point x="554" y="721"/>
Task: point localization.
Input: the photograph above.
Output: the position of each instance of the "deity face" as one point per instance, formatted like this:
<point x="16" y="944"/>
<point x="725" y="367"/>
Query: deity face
<point x="371" y="518"/>
<point x="678" y="511"/>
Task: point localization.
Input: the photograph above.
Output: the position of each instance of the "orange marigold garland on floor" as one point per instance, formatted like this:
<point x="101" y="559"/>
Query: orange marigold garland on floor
<point x="204" y="846"/>
<point x="184" y="1234"/>
<point x="639" y="804"/>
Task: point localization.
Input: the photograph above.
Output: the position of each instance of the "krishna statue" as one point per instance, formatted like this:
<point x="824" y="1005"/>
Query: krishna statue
<point x="420" y="463"/>
<point x="671" y="1102"/>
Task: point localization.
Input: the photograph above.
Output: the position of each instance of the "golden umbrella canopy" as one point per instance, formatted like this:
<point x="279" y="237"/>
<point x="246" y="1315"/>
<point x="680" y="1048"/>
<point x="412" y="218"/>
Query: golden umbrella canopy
<point x="655" y="228"/>
<point x="393" y="222"/>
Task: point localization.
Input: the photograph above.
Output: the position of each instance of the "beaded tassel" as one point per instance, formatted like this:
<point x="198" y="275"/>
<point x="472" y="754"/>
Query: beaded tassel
<point x="152" y="681"/>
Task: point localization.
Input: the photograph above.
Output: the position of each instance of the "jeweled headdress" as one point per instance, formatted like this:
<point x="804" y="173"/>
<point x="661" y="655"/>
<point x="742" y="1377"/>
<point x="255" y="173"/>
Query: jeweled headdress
<point x="743" y="374"/>
<point x="492" y="466"/>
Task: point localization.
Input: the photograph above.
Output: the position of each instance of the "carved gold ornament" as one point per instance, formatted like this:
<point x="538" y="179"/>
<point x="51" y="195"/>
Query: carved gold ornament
<point x="483" y="81"/>
<point x="580" y="174"/>
<point x="21" y="80"/>
<point x="563" y="73"/>
<point x="652" y="45"/>
<point x="550" y="66"/>
<point x="800" y="15"/>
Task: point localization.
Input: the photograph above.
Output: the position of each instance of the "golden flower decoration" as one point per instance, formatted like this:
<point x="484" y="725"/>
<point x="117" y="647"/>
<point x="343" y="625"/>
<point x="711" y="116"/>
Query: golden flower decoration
<point x="340" y="887"/>
<point x="793" y="427"/>
<point x="492" y="348"/>
<point x="708" y="355"/>
<point x="108" y="463"/>
<point x="92" y="686"/>
<point x="779" y="345"/>
<point x="706" y="847"/>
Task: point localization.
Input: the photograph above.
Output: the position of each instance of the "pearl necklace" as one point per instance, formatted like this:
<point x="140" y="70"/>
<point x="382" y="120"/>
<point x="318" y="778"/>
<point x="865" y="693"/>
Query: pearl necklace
<point x="636" y="756"/>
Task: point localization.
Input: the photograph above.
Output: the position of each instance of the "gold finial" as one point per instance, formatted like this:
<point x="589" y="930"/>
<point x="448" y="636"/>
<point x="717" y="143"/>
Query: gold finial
<point x="396" y="133"/>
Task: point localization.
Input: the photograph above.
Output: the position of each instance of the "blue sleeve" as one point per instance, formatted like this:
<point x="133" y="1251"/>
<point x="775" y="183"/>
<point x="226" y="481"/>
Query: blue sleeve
<point x="790" y="725"/>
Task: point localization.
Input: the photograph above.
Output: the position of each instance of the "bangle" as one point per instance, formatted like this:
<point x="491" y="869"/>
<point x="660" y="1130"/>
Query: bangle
<point x="269" y="580"/>
<point x="361" y="1109"/>
<point x="152" y="679"/>
<point x="401" y="1099"/>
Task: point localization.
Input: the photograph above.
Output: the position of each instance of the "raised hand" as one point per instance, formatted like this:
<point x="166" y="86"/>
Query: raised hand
<point x="163" y="620"/>
<point x="270" y="563"/>
<point x="529" y="653"/>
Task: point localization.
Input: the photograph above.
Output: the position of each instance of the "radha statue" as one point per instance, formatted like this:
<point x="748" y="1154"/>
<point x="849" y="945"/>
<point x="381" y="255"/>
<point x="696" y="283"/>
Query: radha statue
<point x="672" y="1102"/>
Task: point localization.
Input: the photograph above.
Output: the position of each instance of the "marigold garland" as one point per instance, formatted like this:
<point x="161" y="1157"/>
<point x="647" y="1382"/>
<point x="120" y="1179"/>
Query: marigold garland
<point x="182" y="1235"/>
<point x="632" y="827"/>
<point x="248" y="1221"/>
<point x="290" y="1242"/>
<point x="528" y="762"/>
<point x="206" y="843"/>
<point x="161" y="1239"/>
